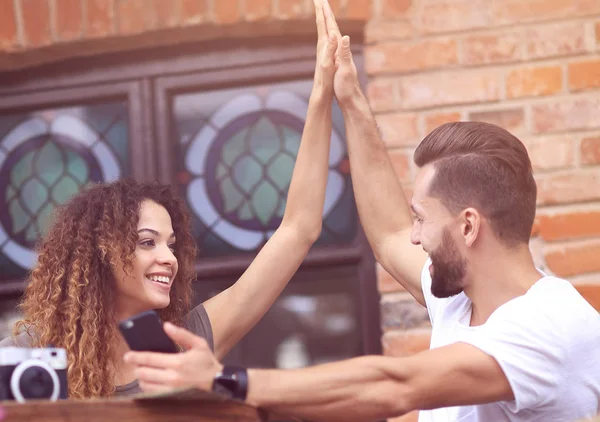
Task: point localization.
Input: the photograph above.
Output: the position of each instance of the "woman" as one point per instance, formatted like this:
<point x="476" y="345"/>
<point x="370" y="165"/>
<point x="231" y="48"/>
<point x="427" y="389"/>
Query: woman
<point x="118" y="249"/>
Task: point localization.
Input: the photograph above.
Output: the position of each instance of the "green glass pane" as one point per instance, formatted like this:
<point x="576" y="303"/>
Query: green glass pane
<point x="221" y="171"/>
<point x="264" y="140"/>
<point x="49" y="163"/>
<point x="64" y="189"/>
<point x="10" y="193"/>
<point x="44" y="216"/>
<point x="31" y="234"/>
<point x="280" y="171"/>
<point x="34" y="195"/>
<point x="245" y="212"/>
<point x="247" y="173"/>
<point x="235" y="147"/>
<point x="22" y="170"/>
<point x="281" y="208"/>
<point x="118" y="138"/>
<point x="18" y="216"/>
<point x="77" y="167"/>
<point x="291" y="141"/>
<point x="232" y="197"/>
<point x="264" y="201"/>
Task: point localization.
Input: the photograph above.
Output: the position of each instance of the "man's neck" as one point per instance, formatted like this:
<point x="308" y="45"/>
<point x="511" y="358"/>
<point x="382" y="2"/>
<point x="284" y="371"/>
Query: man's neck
<point x="495" y="281"/>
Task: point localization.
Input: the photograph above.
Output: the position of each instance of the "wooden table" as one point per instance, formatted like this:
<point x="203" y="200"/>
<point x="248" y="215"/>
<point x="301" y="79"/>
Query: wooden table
<point x="149" y="409"/>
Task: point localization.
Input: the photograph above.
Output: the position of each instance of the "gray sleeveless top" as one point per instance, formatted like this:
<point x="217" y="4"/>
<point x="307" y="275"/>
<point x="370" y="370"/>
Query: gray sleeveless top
<point x="197" y="322"/>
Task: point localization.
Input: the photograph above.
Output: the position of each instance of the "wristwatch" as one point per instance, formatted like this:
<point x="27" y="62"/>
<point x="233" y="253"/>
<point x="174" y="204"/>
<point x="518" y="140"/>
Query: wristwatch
<point x="232" y="382"/>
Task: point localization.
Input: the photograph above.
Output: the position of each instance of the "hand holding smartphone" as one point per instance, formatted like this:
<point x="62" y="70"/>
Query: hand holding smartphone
<point x="144" y="333"/>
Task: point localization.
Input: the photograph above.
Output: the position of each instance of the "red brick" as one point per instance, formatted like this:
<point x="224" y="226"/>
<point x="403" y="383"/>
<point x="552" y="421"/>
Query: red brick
<point x="257" y="10"/>
<point x="574" y="258"/>
<point x="385" y="282"/>
<point x="452" y="15"/>
<point x="382" y="94"/>
<point x="486" y="49"/>
<point x="435" y="120"/>
<point x="559" y="39"/>
<point x="398" y="129"/>
<point x="591" y="293"/>
<point x="535" y="229"/>
<point x="8" y="25"/>
<point x="409" y="417"/>
<point x="590" y="151"/>
<point x="517" y="11"/>
<point x="400" y="311"/>
<point x="99" y="18"/>
<point x="131" y="16"/>
<point x="358" y="10"/>
<point x="534" y="81"/>
<point x="36" y="22"/>
<point x="569" y="225"/>
<point x="551" y="152"/>
<point x="377" y="31"/>
<point x="69" y="19"/>
<point x="227" y="12"/>
<point x="445" y="88"/>
<point x="410" y="56"/>
<point x="401" y="163"/>
<point x="393" y="9"/>
<point x="581" y="113"/>
<point x="291" y="9"/>
<point x="336" y="7"/>
<point x="405" y="343"/>
<point x="194" y="11"/>
<point x="161" y="14"/>
<point x="568" y="187"/>
<point x="584" y="75"/>
<point x="511" y="119"/>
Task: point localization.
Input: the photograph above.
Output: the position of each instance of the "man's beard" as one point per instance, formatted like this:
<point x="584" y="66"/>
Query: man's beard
<point x="449" y="268"/>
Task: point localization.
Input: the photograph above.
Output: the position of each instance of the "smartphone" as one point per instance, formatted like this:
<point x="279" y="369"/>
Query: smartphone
<point x="144" y="332"/>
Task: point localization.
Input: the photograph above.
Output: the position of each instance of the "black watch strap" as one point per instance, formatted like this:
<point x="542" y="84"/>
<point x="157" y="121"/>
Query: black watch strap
<point x="232" y="382"/>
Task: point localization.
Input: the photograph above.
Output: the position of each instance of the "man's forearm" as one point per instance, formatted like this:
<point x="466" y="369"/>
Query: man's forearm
<point x="354" y="390"/>
<point x="379" y="197"/>
<point x="306" y="195"/>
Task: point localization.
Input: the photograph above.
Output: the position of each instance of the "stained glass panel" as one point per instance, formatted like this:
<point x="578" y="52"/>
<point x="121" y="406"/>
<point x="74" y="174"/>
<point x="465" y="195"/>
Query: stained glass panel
<point x="237" y="152"/>
<point x="46" y="157"/>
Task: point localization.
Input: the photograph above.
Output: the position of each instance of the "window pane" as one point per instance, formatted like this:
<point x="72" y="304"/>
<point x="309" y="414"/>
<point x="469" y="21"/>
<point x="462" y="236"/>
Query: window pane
<point x="45" y="157"/>
<point x="313" y="321"/>
<point x="237" y="152"/>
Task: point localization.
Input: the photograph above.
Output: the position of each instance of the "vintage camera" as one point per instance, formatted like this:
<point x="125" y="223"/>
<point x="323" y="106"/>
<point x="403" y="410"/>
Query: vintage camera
<point x="33" y="374"/>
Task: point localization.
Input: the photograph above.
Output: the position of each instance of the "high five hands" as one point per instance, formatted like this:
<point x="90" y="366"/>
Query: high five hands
<point x="335" y="65"/>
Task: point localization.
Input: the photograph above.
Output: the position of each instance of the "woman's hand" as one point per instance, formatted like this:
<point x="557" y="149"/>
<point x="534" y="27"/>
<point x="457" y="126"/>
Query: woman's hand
<point x="327" y="44"/>
<point x="196" y="367"/>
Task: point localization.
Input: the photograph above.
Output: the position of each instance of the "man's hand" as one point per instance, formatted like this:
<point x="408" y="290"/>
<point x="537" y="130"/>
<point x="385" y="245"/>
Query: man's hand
<point x="196" y="367"/>
<point x="326" y="46"/>
<point x="346" y="76"/>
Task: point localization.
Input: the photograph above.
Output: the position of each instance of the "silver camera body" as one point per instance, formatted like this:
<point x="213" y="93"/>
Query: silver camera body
<point x="33" y="374"/>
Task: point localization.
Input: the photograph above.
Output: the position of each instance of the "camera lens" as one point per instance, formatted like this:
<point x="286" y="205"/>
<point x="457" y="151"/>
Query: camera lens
<point x="36" y="383"/>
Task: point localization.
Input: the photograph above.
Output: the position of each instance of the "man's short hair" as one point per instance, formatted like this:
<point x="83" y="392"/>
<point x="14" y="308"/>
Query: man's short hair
<point x="483" y="166"/>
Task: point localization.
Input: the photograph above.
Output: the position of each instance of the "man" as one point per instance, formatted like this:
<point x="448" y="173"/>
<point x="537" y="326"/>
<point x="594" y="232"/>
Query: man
<point x="508" y="343"/>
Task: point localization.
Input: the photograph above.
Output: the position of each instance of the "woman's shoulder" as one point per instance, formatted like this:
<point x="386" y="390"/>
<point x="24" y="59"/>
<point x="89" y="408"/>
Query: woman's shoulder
<point x="198" y="322"/>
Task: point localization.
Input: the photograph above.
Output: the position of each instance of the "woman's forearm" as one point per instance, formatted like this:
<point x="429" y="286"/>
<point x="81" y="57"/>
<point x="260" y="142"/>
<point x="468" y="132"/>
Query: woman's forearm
<point x="306" y="195"/>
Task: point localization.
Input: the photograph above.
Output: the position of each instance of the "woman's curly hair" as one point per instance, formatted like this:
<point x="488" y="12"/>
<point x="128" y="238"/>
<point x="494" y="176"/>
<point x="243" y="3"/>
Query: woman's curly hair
<point x="69" y="301"/>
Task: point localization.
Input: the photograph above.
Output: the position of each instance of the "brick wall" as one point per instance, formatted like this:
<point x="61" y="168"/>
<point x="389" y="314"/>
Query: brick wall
<point x="531" y="66"/>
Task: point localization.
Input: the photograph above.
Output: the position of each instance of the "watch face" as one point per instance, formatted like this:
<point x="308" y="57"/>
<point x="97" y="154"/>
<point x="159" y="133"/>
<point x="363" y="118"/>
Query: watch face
<point x="225" y="384"/>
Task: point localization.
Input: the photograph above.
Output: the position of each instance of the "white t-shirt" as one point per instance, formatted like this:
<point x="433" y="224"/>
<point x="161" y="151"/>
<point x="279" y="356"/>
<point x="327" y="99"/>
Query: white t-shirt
<point x="547" y="342"/>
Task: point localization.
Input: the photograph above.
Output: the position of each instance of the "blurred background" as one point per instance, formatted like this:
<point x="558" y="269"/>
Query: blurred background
<point x="211" y="96"/>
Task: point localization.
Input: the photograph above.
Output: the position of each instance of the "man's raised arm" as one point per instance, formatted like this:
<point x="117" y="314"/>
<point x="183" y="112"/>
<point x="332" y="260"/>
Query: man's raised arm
<point x="384" y="212"/>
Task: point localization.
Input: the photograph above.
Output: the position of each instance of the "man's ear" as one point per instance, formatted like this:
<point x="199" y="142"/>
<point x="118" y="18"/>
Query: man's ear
<point x="470" y="224"/>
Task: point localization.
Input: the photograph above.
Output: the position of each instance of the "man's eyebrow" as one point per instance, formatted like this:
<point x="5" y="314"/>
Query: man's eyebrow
<point x="154" y="232"/>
